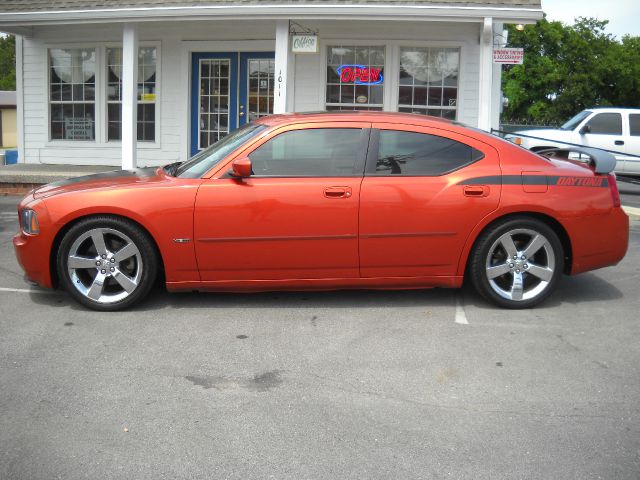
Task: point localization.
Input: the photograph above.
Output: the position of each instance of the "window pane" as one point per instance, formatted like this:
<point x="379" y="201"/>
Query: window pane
<point x="634" y="125"/>
<point x="355" y="77"/>
<point x="72" y="93"/>
<point x="146" y="88"/>
<point x="310" y="153"/>
<point x="410" y="153"/>
<point x="606" y="124"/>
<point x="429" y="81"/>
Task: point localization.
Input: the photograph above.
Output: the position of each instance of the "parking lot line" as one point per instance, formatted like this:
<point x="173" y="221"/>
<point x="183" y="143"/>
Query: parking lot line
<point x="461" y="316"/>
<point x="26" y="290"/>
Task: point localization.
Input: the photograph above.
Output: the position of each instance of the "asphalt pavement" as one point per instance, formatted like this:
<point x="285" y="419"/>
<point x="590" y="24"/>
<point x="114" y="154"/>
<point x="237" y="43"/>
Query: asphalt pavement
<point x="330" y="385"/>
<point x="630" y="192"/>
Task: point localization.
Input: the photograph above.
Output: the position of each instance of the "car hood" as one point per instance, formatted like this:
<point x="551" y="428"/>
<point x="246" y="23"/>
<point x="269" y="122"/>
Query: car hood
<point x="546" y="133"/>
<point x="113" y="179"/>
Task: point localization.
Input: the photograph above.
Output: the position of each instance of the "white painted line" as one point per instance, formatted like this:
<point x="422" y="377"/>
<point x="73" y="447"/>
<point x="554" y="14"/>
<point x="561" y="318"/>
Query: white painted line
<point x="631" y="210"/>
<point x="461" y="316"/>
<point x="27" y="290"/>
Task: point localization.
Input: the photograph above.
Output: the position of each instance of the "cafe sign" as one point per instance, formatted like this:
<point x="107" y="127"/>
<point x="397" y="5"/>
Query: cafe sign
<point x="304" y="44"/>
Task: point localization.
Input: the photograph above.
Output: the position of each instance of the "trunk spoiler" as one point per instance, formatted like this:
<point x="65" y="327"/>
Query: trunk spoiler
<point x="600" y="160"/>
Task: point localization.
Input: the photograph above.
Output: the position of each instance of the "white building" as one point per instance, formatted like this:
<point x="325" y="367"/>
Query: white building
<point x="149" y="83"/>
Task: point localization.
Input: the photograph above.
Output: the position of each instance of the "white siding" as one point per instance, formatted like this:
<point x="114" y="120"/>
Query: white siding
<point x="177" y="39"/>
<point x="310" y="76"/>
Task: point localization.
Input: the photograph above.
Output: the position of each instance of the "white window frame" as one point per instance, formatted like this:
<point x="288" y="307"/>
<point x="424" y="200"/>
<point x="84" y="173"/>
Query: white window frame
<point x="101" y="123"/>
<point x="392" y="66"/>
<point x="353" y="43"/>
<point x="402" y="45"/>
<point x="105" y="100"/>
<point x="47" y="94"/>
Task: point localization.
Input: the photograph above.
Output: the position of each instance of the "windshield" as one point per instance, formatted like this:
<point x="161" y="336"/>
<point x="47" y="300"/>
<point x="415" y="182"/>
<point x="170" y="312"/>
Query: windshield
<point x="202" y="162"/>
<point x="575" y="121"/>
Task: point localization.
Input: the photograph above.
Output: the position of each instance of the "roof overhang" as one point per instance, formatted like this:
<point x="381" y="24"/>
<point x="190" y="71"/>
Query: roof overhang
<point x="20" y="22"/>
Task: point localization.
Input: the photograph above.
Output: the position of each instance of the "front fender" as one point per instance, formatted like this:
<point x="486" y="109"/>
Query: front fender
<point x="166" y="215"/>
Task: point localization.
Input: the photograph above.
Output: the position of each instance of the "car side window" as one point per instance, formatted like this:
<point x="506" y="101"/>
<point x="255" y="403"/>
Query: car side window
<point x="634" y="124"/>
<point x="321" y="152"/>
<point x="420" y="154"/>
<point x="606" y="124"/>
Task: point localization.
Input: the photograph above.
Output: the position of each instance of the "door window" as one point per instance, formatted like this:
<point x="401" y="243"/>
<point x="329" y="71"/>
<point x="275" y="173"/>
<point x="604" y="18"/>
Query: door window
<point x="606" y="124"/>
<point x="261" y="84"/>
<point x="420" y="154"/>
<point x="319" y="152"/>
<point x="634" y="125"/>
<point x="215" y="90"/>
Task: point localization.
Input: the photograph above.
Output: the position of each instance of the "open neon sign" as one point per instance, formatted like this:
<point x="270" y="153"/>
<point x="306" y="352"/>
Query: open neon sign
<point x="360" y="74"/>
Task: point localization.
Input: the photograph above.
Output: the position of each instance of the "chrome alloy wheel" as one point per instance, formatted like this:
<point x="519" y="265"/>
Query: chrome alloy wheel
<point x="520" y="264"/>
<point x="104" y="265"/>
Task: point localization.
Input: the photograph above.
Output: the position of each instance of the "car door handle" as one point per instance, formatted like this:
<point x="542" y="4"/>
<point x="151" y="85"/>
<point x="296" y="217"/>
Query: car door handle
<point x="619" y="142"/>
<point x="337" y="192"/>
<point x="476" y="190"/>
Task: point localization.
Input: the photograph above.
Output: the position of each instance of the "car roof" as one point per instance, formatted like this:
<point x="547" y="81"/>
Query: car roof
<point x="613" y="109"/>
<point x="354" y="116"/>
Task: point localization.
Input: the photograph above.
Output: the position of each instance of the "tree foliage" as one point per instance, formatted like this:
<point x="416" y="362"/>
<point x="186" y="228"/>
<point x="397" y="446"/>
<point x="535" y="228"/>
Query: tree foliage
<point x="568" y="68"/>
<point x="8" y="63"/>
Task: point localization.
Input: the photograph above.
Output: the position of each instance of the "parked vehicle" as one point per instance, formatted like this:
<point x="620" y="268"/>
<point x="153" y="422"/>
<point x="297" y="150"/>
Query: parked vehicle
<point x="329" y="201"/>
<point x="613" y="129"/>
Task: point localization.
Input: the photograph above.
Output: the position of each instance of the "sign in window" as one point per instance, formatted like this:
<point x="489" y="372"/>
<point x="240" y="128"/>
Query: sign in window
<point x="355" y="78"/>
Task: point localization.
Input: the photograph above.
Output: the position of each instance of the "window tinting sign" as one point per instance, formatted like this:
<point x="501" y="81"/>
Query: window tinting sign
<point x="360" y="75"/>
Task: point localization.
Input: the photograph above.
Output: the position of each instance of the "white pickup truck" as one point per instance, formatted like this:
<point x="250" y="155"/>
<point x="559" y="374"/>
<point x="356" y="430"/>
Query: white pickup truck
<point x="614" y="129"/>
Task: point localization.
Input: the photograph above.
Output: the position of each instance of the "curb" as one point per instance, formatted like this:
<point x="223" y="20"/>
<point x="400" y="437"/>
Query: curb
<point x="632" y="211"/>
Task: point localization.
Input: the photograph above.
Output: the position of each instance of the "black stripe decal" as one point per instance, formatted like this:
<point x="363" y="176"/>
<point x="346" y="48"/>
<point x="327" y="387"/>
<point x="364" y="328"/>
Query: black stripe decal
<point x="277" y="239"/>
<point x="408" y="235"/>
<point x="147" y="172"/>
<point x="553" y="180"/>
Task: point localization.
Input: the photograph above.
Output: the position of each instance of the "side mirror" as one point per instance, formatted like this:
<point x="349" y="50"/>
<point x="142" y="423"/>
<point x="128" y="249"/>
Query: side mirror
<point x="241" y="168"/>
<point x="585" y="129"/>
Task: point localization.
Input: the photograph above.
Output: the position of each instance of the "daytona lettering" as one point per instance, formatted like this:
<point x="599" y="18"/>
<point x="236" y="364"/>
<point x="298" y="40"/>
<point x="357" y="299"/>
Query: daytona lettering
<point x="580" y="181"/>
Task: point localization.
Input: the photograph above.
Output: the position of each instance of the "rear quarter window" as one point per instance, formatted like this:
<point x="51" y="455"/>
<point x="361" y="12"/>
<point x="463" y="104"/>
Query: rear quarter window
<point x="420" y="154"/>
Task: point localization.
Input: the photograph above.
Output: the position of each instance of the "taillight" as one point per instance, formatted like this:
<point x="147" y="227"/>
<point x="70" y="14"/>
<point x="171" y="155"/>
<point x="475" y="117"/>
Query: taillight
<point x="613" y="187"/>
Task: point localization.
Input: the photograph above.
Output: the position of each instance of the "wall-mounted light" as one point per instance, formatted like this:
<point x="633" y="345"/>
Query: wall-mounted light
<point x="520" y="27"/>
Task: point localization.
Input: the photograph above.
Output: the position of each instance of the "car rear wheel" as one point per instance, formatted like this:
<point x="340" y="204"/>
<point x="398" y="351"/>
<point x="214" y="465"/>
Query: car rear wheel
<point x="517" y="263"/>
<point x="106" y="263"/>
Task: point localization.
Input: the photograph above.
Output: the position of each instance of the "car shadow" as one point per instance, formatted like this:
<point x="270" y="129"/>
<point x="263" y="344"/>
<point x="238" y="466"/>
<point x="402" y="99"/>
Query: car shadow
<point x="580" y="289"/>
<point x="584" y="288"/>
<point x="340" y="299"/>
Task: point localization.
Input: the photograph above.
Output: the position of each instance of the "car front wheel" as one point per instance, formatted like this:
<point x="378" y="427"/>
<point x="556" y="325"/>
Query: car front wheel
<point x="517" y="263"/>
<point x="106" y="263"/>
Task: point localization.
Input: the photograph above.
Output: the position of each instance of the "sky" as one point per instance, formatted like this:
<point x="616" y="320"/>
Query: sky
<point x="623" y="15"/>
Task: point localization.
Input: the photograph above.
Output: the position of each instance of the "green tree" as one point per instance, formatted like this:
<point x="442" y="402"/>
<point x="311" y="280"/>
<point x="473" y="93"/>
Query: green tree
<point x="8" y="63"/>
<point x="569" y="68"/>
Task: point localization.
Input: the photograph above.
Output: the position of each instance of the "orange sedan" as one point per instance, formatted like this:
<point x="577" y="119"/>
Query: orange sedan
<point x="330" y="201"/>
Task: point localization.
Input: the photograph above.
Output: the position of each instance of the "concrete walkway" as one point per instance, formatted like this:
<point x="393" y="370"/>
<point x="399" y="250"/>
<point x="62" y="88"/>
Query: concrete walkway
<point x="29" y="173"/>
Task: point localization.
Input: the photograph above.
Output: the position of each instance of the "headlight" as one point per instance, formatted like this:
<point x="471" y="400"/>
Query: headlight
<point x="29" y="222"/>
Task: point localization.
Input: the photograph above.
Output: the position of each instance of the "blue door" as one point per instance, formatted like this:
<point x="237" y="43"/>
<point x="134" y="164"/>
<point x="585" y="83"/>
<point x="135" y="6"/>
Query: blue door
<point x="214" y="97"/>
<point x="256" y="86"/>
<point x="227" y="91"/>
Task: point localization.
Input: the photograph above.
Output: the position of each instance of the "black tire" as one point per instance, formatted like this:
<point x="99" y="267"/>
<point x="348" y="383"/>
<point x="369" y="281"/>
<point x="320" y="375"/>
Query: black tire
<point x="520" y="280"/>
<point x="109" y="274"/>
